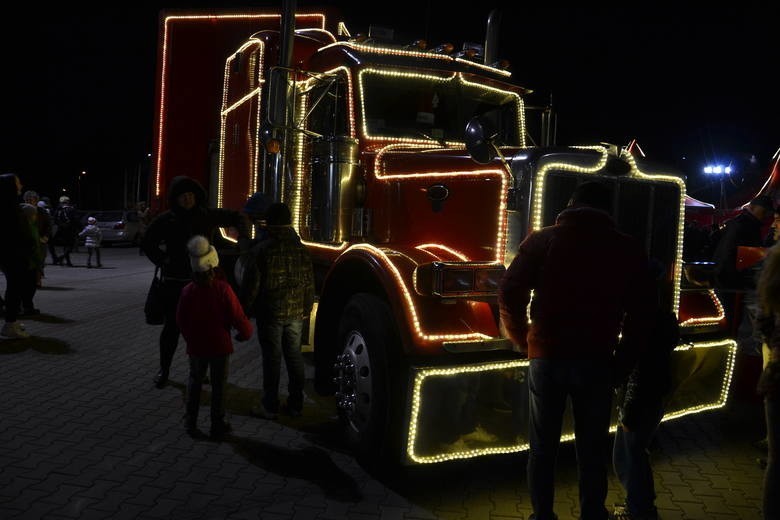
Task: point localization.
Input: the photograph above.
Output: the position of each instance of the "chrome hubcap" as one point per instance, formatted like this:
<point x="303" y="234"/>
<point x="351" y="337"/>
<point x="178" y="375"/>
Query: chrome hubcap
<point x="353" y="382"/>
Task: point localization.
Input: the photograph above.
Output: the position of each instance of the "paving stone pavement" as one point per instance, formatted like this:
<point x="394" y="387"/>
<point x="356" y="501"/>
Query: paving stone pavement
<point x="85" y="435"/>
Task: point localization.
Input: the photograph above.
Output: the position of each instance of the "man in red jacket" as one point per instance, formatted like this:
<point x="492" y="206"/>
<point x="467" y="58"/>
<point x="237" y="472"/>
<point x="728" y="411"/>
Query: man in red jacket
<point x="589" y="282"/>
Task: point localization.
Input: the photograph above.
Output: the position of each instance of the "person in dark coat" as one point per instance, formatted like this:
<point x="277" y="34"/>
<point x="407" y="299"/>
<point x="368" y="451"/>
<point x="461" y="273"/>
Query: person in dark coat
<point x="641" y="401"/>
<point x="18" y="254"/>
<point x="165" y="244"/>
<point x="589" y="281"/>
<point x="66" y="219"/>
<point x="773" y="235"/>
<point x="737" y="288"/>
<point x="43" y="221"/>
<point x="742" y="230"/>
<point x="769" y="381"/>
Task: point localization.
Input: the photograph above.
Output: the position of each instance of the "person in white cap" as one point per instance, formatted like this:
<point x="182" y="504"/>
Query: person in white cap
<point x="208" y="310"/>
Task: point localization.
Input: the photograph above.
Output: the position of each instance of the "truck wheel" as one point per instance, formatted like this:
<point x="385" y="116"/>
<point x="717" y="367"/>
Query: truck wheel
<point x="363" y="381"/>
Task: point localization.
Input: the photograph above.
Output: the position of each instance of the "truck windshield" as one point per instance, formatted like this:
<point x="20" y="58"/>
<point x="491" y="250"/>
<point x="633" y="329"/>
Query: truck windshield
<point x="413" y="106"/>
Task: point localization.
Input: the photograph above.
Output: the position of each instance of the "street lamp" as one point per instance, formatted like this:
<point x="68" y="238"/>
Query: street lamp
<point x="78" y="180"/>
<point x="721" y="172"/>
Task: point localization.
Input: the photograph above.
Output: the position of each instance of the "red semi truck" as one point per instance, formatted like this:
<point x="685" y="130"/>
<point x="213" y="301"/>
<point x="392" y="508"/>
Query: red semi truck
<point x="410" y="218"/>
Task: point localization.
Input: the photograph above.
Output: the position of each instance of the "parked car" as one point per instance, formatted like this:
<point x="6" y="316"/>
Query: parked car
<point x="118" y="226"/>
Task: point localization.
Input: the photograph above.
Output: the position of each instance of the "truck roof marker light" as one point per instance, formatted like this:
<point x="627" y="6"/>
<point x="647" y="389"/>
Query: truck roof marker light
<point x="317" y="17"/>
<point x="409" y="303"/>
<point x="420" y="378"/>
<point x="538" y="190"/>
<point x="419" y="45"/>
<point x="502" y="174"/>
<point x="357" y="45"/>
<point x="692" y="322"/>
<point x="444" y="48"/>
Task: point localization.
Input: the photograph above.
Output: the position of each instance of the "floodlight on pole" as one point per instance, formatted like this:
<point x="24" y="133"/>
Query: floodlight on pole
<point x="721" y="172"/>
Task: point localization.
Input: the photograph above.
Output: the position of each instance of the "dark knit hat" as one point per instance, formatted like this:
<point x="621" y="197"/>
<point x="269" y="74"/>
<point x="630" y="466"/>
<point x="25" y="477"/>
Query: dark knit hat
<point x="278" y="214"/>
<point x="258" y="204"/>
<point x="763" y="201"/>
<point x="593" y="194"/>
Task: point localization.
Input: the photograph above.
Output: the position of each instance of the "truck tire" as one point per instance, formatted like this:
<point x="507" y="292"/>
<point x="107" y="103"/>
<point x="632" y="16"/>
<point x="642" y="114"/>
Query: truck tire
<point x="368" y="341"/>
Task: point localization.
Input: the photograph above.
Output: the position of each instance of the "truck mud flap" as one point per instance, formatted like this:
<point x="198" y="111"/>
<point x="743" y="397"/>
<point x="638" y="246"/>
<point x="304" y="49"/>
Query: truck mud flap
<point x="460" y="412"/>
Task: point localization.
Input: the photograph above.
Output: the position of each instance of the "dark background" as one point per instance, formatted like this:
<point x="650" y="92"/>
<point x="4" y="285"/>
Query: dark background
<point x="693" y="86"/>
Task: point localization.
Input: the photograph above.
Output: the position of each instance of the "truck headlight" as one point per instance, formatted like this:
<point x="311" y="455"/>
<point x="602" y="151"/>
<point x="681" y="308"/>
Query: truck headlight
<point x="458" y="279"/>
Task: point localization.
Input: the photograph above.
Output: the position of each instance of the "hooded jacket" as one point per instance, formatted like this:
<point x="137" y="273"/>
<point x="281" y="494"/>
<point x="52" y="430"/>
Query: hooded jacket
<point x="19" y="243"/>
<point x="742" y="230"/>
<point x="286" y="276"/>
<point x="165" y="241"/>
<point x="589" y="282"/>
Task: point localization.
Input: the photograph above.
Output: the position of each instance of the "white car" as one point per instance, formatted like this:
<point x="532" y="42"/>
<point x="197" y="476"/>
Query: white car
<point x="117" y="226"/>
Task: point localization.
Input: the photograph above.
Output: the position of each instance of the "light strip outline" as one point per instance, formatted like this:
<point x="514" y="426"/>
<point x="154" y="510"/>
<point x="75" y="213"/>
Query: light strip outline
<point x="422" y="374"/>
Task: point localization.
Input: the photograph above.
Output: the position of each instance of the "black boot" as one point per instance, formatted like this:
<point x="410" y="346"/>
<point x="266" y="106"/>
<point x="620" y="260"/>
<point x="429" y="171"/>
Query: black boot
<point x="191" y="424"/>
<point x="161" y="378"/>
<point x="219" y="428"/>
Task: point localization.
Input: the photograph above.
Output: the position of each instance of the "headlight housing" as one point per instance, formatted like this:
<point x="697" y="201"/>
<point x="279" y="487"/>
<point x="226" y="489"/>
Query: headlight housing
<point x="459" y="279"/>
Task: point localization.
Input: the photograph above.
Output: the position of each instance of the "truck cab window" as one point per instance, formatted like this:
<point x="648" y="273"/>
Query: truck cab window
<point x="434" y="108"/>
<point x="328" y="114"/>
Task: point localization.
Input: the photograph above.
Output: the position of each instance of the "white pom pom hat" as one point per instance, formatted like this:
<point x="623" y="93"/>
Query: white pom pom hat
<point x="203" y="256"/>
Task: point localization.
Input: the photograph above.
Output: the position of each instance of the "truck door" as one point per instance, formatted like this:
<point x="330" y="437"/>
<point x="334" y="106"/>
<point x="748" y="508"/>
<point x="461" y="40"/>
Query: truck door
<point x="329" y="180"/>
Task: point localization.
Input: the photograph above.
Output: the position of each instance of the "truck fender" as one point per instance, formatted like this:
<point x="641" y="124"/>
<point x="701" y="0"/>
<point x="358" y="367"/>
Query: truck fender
<point x="357" y="270"/>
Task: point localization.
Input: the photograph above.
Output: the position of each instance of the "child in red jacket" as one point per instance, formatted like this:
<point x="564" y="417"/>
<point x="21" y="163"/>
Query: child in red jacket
<point x="208" y="310"/>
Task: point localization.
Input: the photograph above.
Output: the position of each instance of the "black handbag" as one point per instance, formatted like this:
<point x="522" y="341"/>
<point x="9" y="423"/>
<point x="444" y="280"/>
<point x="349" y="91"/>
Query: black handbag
<point x="153" y="308"/>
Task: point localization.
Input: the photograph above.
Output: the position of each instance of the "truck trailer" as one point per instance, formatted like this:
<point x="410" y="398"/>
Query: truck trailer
<point x="412" y="177"/>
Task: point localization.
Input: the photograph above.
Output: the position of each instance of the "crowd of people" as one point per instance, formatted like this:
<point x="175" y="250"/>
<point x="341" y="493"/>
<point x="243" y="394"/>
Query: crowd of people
<point x="597" y="335"/>
<point x="200" y="305"/>
<point x="33" y="229"/>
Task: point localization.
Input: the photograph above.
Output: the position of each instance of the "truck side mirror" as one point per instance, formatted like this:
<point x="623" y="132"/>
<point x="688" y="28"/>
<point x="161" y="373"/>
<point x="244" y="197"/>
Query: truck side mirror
<point x="480" y="134"/>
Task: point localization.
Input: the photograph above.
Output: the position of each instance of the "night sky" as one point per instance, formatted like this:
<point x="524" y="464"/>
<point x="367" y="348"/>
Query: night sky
<point x="690" y="86"/>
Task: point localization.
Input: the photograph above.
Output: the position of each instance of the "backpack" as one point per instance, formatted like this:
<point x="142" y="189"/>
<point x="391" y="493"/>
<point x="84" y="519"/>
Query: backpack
<point x="63" y="216"/>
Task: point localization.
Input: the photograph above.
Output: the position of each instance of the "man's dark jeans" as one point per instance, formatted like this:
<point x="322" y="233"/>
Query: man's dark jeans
<point x="772" y="475"/>
<point x="589" y="385"/>
<point x="277" y="339"/>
